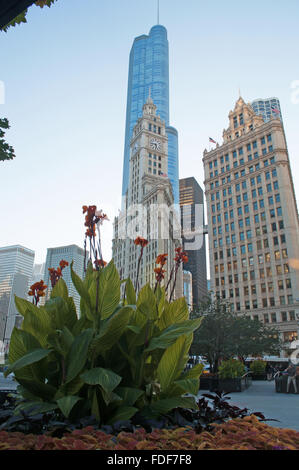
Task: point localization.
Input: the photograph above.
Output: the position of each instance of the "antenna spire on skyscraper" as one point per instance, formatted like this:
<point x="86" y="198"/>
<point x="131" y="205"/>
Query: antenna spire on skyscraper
<point x="158" y="13"/>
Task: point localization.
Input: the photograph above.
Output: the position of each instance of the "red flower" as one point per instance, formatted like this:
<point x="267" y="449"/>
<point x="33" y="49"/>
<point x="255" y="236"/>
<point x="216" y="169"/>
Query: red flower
<point x="159" y="274"/>
<point x="161" y="259"/>
<point x="100" y="263"/>
<point x="141" y="241"/>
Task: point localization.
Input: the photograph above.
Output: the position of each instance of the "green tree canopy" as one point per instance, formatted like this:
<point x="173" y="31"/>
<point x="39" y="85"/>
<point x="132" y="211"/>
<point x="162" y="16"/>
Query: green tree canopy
<point x="224" y="334"/>
<point x="6" y="151"/>
<point x="21" y="18"/>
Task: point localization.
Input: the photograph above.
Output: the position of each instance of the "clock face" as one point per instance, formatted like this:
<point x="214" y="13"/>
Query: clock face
<point x="155" y="144"/>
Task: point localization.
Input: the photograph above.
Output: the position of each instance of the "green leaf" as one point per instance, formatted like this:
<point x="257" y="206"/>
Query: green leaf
<point x="62" y="312"/>
<point x="188" y="386"/>
<point x="66" y="404"/>
<point x="173" y="362"/>
<point x="83" y="292"/>
<point x="77" y="356"/>
<point x="35" y="407"/>
<point x="28" y="359"/>
<point x="123" y="413"/>
<point x="107" y="379"/>
<point x="24" y="305"/>
<point x="130" y="292"/>
<point x="175" y="312"/>
<point x="146" y="303"/>
<point x="129" y="395"/>
<point x="60" y="290"/>
<point x="111" y="330"/>
<point x="108" y="292"/>
<point x="170" y="335"/>
<point x="38" y="389"/>
<point x="21" y="343"/>
<point x="195" y="372"/>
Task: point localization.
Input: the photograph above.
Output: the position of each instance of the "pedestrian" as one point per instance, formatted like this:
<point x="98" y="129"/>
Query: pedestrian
<point x="269" y="371"/>
<point x="292" y="373"/>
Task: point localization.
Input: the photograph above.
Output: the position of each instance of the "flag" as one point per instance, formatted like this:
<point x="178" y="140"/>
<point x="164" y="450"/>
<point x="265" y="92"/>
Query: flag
<point x="275" y="110"/>
<point x="212" y="140"/>
<point x="164" y="174"/>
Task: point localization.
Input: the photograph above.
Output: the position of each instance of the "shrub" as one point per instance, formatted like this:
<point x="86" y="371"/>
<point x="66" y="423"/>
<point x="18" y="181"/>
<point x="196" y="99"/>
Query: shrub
<point x="258" y="367"/>
<point x="237" y="434"/>
<point x="123" y="356"/>
<point x="231" y="369"/>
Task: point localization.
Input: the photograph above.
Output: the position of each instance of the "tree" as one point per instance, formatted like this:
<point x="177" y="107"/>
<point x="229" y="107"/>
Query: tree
<point x="6" y="151"/>
<point x="21" y="17"/>
<point x="224" y="334"/>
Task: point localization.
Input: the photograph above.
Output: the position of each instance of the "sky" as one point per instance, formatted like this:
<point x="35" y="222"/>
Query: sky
<point x="65" y="75"/>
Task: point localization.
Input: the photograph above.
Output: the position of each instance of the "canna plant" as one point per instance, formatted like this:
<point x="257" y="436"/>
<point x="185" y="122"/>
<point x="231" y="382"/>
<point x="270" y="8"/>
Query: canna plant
<point x="121" y="357"/>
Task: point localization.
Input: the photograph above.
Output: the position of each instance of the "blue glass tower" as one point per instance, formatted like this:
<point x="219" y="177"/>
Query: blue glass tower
<point x="149" y="73"/>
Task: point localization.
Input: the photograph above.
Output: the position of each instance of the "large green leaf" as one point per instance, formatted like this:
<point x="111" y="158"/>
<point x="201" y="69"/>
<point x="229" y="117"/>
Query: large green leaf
<point x="170" y="335"/>
<point x="61" y="341"/>
<point x="130" y="292"/>
<point x="188" y="386"/>
<point x="60" y="290"/>
<point x="173" y="361"/>
<point x="35" y="326"/>
<point x="62" y="312"/>
<point x="77" y="356"/>
<point x="82" y="290"/>
<point x="35" y="407"/>
<point x="194" y="373"/>
<point x="129" y="395"/>
<point x="175" y="312"/>
<point x="111" y="330"/>
<point x="66" y="404"/>
<point x="21" y="343"/>
<point x="28" y="359"/>
<point x="24" y="305"/>
<point x="123" y="413"/>
<point x="107" y="379"/>
<point x="147" y="303"/>
<point x="37" y="389"/>
<point x="108" y="291"/>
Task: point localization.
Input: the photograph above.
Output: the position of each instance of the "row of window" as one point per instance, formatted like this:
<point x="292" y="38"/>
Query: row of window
<point x="252" y="289"/>
<point x="240" y="151"/>
<point x="254" y="192"/>
<point x="253" y="304"/>
<point x="253" y="180"/>
<point x="256" y="204"/>
<point x="242" y="173"/>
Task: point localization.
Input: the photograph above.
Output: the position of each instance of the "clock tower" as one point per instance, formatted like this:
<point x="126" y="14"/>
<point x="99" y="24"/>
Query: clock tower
<point x="149" y="209"/>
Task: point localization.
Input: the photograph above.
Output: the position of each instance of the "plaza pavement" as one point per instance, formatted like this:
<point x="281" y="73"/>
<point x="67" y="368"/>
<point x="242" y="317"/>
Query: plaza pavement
<point x="261" y="396"/>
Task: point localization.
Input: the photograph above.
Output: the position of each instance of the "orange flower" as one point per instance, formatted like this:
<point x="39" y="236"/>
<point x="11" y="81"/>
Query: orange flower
<point x="100" y="263"/>
<point x="63" y="264"/>
<point x="161" y="259"/>
<point x="181" y="256"/>
<point x="141" y="241"/>
<point x="37" y="291"/>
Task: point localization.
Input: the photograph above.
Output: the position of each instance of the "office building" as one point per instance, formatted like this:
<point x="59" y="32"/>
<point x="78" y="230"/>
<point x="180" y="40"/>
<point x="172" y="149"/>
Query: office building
<point x="253" y="221"/>
<point x="192" y="222"/>
<point x="68" y="253"/>
<point x="16" y="265"/>
<point x="149" y="74"/>
<point x="149" y="205"/>
<point x="187" y="281"/>
<point x="269" y="108"/>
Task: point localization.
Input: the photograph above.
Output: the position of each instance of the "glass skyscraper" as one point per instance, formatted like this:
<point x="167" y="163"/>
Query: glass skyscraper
<point x="16" y="265"/>
<point x="68" y="253"/>
<point x="149" y="74"/>
<point x="267" y="107"/>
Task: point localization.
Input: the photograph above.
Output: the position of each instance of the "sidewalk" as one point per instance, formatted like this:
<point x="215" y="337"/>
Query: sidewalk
<point x="261" y="396"/>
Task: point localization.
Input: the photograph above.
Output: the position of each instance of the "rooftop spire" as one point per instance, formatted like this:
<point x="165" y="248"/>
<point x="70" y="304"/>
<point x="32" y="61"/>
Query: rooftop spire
<point x="158" y="12"/>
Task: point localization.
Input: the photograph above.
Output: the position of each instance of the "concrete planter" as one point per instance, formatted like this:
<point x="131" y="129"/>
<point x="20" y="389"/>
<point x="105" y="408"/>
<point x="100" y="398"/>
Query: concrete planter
<point x="230" y="385"/>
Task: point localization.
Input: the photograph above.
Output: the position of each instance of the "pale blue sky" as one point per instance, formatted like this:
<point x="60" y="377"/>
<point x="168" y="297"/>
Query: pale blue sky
<point x="65" y="74"/>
